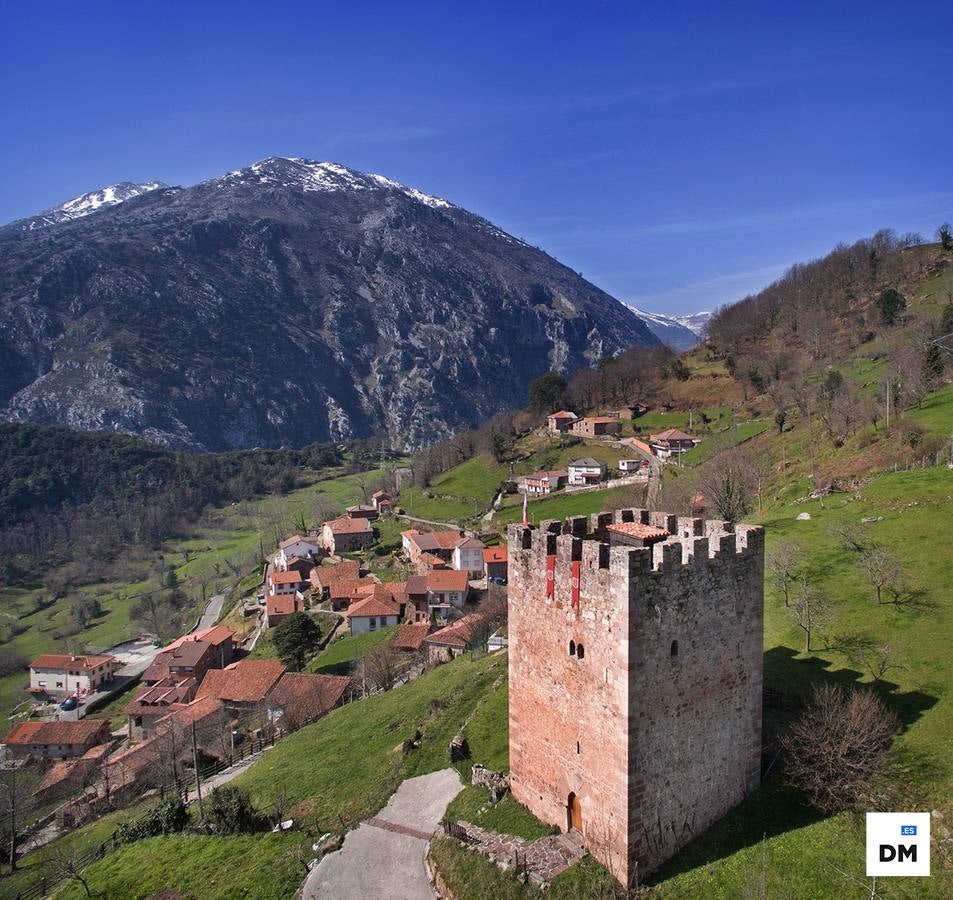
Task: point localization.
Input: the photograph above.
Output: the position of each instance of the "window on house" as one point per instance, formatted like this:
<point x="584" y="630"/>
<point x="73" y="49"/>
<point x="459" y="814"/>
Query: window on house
<point x="580" y="651"/>
<point x="572" y="648"/>
<point x="674" y="651"/>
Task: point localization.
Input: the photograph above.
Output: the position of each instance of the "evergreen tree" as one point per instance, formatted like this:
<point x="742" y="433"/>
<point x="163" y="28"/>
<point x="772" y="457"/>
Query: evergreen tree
<point x="546" y="392"/>
<point x="295" y="638"/>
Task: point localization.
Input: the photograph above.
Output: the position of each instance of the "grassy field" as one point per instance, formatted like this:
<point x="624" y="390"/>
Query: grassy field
<point x="345" y="766"/>
<point x="337" y="657"/>
<point x="559" y="506"/>
<point x="215" y="868"/>
<point x="722" y="440"/>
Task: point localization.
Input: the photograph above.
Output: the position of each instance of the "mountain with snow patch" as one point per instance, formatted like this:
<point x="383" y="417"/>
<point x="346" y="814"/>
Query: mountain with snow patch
<point x="287" y="302"/>
<point x="87" y="203"/>
<point x="678" y="332"/>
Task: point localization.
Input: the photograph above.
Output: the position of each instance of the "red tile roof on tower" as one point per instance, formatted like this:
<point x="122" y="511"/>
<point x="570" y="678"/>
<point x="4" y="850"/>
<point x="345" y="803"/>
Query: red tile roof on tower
<point x="411" y="635"/>
<point x="495" y="554"/>
<point x="638" y="530"/>
<point x="247" y="681"/>
<point x="84" y="662"/>
<point x="447" y="580"/>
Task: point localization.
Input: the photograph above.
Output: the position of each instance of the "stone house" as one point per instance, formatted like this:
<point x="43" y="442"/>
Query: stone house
<point x="346" y="535"/>
<point x="55" y="740"/>
<point x="468" y="633"/>
<point x="635" y="679"/>
<point x="282" y="606"/>
<point x="558" y="422"/>
<point x="596" y="426"/>
<point x="304" y="547"/>
<point x="322" y="577"/>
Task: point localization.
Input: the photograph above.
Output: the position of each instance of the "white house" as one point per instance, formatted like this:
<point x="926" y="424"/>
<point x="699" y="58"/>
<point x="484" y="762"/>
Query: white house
<point x="447" y="589"/>
<point x="371" y="614"/>
<point x="630" y="466"/>
<point x="296" y="545"/>
<point x="289" y="582"/>
<point x="586" y="471"/>
<point x="60" y="674"/>
<point x="468" y="557"/>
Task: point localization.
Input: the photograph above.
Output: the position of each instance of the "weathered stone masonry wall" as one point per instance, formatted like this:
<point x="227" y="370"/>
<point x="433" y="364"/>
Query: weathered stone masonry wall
<point x="655" y="747"/>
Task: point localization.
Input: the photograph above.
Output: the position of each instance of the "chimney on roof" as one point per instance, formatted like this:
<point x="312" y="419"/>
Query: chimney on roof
<point x="72" y="658"/>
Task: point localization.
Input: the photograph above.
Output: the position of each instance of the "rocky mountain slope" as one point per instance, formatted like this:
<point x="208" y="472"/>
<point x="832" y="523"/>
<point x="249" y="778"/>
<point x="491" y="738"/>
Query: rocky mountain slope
<point x="285" y="303"/>
<point x="86" y="204"/>
<point x="678" y="332"/>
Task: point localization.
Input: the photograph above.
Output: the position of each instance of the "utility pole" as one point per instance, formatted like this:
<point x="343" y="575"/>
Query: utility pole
<point x="887" y="396"/>
<point x="198" y="779"/>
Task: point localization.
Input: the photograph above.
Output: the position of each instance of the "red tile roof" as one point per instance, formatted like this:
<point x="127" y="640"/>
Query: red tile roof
<point x="291" y="577"/>
<point x="183" y="715"/>
<point x="434" y="540"/>
<point x="411" y="635"/>
<point x="65" y="661"/>
<point x="247" y="681"/>
<point x="563" y="414"/>
<point x="164" y="693"/>
<point x="217" y="634"/>
<point x="447" y="580"/>
<point x="494" y="554"/>
<point x="460" y="633"/>
<point x="68" y="732"/>
<point x="346" y="525"/>
<point x="282" y="605"/>
<point x="317" y="693"/>
<point x="325" y="575"/>
<point x="671" y="434"/>
<point x="638" y="530"/>
<point x="373" y="606"/>
<point x="416" y="585"/>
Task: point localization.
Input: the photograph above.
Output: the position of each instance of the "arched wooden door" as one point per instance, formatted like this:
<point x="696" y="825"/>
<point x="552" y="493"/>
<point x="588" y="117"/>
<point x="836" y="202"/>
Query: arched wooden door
<point x="574" y="813"/>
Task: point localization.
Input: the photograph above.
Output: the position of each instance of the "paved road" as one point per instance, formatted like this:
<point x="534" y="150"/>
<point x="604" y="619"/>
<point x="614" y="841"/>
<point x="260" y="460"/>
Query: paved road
<point x="213" y="610"/>
<point x="383" y="858"/>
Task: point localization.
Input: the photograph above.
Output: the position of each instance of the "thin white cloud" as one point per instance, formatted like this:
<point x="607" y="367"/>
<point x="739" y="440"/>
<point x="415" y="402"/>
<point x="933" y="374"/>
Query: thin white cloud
<point x="708" y="293"/>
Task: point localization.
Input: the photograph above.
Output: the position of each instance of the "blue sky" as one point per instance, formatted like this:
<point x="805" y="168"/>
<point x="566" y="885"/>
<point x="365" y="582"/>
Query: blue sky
<point x="676" y="157"/>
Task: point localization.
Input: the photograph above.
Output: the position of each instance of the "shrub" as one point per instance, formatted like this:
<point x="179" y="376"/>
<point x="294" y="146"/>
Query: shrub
<point x="168" y="817"/>
<point x="230" y="811"/>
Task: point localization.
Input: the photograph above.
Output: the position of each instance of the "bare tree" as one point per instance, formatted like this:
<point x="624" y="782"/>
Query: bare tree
<point x="837" y="748"/>
<point x="881" y="567"/>
<point x="382" y="666"/>
<point x="784" y="566"/>
<point x="876" y="659"/>
<point x="811" y="611"/>
<point x="726" y="485"/>
<point x="66" y="864"/>
<point x="16" y="801"/>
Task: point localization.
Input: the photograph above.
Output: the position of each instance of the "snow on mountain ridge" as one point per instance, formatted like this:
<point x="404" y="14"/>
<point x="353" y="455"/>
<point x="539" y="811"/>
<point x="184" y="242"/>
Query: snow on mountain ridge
<point x="679" y="332"/>
<point x="90" y="202"/>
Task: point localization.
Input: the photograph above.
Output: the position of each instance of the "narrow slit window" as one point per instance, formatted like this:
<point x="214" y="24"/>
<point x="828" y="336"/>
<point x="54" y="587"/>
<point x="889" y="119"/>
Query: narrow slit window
<point x="580" y="651"/>
<point x="674" y="651"/>
<point x="572" y="648"/>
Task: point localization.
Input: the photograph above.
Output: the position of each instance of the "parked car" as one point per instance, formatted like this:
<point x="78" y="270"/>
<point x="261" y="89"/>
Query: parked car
<point x="497" y="579"/>
<point x="69" y="703"/>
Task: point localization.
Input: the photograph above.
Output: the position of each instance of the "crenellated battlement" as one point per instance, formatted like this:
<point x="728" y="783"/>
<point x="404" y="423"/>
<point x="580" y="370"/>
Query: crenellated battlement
<point x="690" y="541"/>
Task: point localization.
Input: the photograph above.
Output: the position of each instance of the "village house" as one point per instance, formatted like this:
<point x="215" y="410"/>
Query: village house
<point x="282" y="606"/>
<point x="544" y="482"/>
<point x="344" y="535"/>
<point x="362" y="512"/>
<point x="382" y="502"/>
<point x="55" y="740"/>
<point x="447" y="591"/>
<point x="289" y="582"/>
<point x="586" y="471"/>
<point x="415" y="592"/>
<point x="243" y="685"/>
<point x="57" y="675"/>
<point x="410" y="636"/>
<point x="635" y="534"/>
<point x="468" y="557"/>
<point x="373" y="613"/>
<point x="632" y="466"/>
<point x="468" y="633"/>
<point x="494" y="560"/>
<point x="296" y="545"/>
<point x="322" y="577"/>
<point x="672" y="442"/>
<point x="300" y="565"/>
<point x="299" y="699"/>
<point x="167" y="662"/>
<point x="344" y="592"/>
<point x="596" y="426"/>
<point x="68" y="777"/>
<point x="561" y="421"/>
<point x="153" y="703"/>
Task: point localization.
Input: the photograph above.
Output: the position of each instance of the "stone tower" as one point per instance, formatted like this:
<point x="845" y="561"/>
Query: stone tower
<point x="635" y="675"/>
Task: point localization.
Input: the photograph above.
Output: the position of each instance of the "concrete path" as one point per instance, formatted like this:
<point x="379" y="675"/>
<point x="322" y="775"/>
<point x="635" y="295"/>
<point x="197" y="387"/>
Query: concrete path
<point x="383" y="858"/>
<point x="226" y="776"/>
<point x="213" y="610"/>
